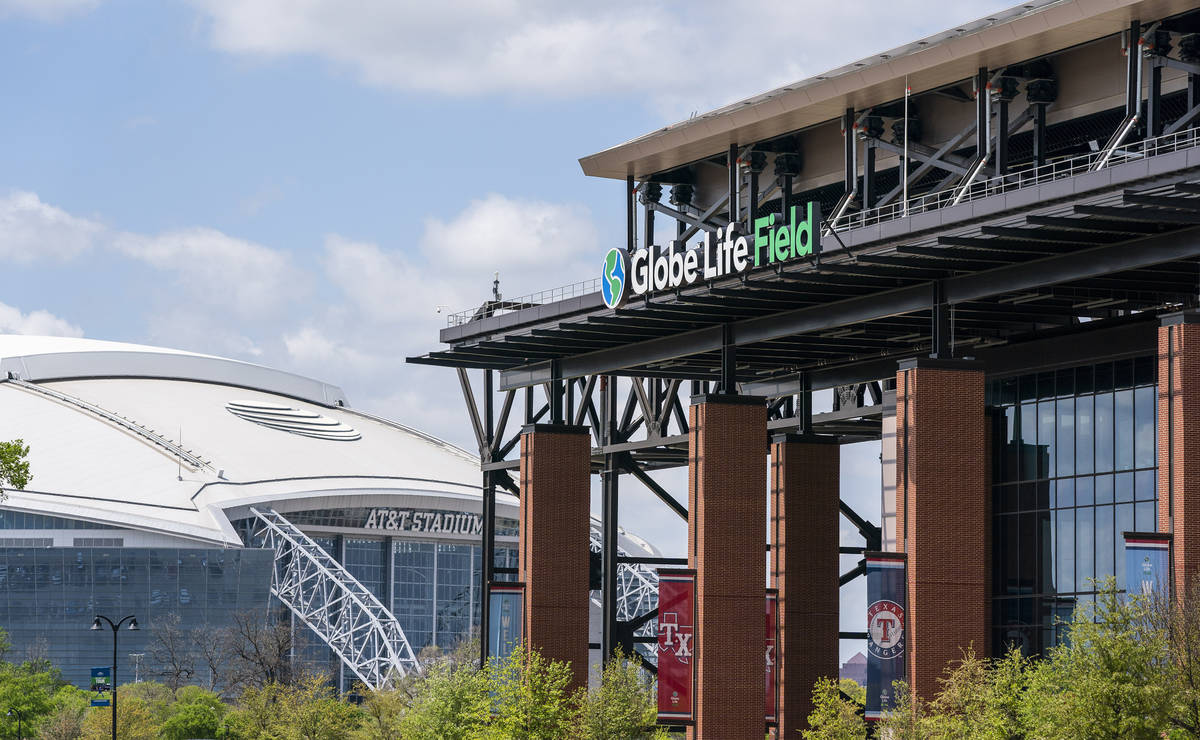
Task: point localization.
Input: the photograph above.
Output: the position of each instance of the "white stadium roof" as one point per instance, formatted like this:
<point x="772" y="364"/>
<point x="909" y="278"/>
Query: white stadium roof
<point x="167" y="441"/>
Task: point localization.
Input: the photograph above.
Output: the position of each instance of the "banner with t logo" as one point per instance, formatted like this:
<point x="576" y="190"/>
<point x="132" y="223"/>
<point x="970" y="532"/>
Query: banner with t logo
<point x="1147" y="560"/>
<point x="676" y="646"/>
<point x="772" y="656"/>
<point x="885" y="629"/>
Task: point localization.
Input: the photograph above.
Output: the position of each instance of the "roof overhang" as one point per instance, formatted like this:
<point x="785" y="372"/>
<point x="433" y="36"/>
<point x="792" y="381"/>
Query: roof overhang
<point x="1009" y="37"/>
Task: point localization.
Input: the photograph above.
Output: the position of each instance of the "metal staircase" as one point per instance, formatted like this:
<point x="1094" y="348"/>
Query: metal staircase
<point x="322" y="594"/>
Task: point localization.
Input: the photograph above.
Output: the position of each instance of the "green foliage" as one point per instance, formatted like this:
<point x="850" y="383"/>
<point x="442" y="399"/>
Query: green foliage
<point x="134" y="721"/>
<point x="69" y="707"/>
<point x="622" y="707"/>
<point x="306" y="710"/>
<point x="833" y="716"/>
<point x="531" y="697"/>
<point x="450" y="701"/>
<point x="191" y="721"/>
<point x="1109" y="680"/>
<point x="14" y="467"/>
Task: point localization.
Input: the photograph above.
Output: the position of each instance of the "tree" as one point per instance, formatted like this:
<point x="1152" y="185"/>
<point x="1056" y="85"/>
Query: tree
<point x="174" y="651"/>
<point x="134" y="722"/>
<point x="622" y="707"/>
<point x="260" y="650"/>
<point x="1108" y="680"/>
<point x="532" y="698"/>
<point x="65" y="722"/>
<point x="450" y="702"/>
<point x="191" y="721"/>
<point x="319" y="714"/>
<point x="212" y="656"/>
<point x="834" y="717"/>
<point x="14" y="467"/>
<point x="28" y="691"/>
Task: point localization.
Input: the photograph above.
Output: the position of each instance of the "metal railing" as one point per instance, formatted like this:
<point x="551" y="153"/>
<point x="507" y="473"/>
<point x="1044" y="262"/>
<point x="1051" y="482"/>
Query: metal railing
<point x="1018" y="179"/>
<point x="345" y="615"/>
<point x="507" y="305"/>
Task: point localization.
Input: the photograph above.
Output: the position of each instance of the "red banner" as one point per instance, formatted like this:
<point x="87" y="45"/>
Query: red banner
<point x="676" y="645"/>
<point x="772" y="655"/>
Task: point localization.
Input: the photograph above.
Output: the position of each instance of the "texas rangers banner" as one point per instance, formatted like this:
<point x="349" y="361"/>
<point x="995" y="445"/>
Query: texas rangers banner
<point x="1147" y="560"/>
<point x="772" y="655"/>
<point x="885" y="630"/>
<point x="676" y="646"/>
<point x="506" y="600"/>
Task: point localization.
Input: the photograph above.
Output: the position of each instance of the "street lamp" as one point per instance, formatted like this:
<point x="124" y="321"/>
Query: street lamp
<point x="16" y="713"/>
<point x="116" y="627"/>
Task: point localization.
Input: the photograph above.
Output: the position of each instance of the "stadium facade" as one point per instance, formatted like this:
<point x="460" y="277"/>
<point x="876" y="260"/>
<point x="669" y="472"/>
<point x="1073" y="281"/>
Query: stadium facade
<point x="986" y="244"/>
<point x="170" y="485"/>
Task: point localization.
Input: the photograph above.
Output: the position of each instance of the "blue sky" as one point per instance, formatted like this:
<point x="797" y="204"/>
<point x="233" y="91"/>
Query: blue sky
<point x="302" y="183"/>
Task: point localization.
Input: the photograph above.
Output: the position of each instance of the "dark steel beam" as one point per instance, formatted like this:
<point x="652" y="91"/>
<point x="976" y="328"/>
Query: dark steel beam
<point x="1093" y="224"/>
<point x="1080" y="265"/>
<point x="1139" y="214"/>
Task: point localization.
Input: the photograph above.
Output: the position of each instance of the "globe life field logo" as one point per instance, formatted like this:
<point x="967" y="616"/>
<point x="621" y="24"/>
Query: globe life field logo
<point x="726" y="253"/>
<point x="614" y="278"/>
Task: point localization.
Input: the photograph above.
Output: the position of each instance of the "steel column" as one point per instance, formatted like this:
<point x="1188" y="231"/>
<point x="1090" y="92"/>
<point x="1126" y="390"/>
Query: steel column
<point x="733" y="184"/>
<point x="609" y="482"/>
<point x="1002" y="138"/>
<point x="868" y="176"/>
<point x="488" y="554"/>
<point x="1039" y="134"/>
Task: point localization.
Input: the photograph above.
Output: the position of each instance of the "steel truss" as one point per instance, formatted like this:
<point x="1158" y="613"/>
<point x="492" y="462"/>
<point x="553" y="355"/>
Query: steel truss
<point x="322" y="594"/>
<point x="639" y="425"/>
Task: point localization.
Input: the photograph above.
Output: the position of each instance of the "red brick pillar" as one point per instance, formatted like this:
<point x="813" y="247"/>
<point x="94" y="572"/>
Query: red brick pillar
<point x="943" y="513"/>
<point x="805" y="489"/>
<point x="553" y="555"/>
<point x="727" y="542"/>
<point x="1179" y="443"/>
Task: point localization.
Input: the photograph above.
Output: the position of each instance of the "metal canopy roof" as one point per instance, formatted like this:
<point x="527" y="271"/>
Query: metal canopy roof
<point x="1103" y="247"/>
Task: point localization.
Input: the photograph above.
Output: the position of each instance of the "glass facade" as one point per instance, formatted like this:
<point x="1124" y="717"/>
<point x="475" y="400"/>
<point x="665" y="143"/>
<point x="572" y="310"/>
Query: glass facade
<point x="48" y="597"/>
<point x="1074" y="466"/>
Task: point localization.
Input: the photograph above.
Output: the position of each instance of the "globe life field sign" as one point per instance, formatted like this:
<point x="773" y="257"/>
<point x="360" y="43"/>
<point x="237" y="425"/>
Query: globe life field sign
<point x="725" y="254"/>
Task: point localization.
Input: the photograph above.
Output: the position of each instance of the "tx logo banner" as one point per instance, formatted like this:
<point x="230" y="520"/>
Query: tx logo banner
<point x="676" y="644"/>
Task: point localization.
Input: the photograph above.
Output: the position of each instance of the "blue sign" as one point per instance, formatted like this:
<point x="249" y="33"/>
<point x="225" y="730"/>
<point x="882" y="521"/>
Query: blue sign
<point x="102" y="678"/>
<point x="886" y="632"/>
<point x="505" y="603"/>
<point x="100" y="702"/>
<point x="1147" y="563"/>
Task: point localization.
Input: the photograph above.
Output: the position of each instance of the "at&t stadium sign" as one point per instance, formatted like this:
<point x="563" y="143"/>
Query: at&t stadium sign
<point x="725" y="254"/>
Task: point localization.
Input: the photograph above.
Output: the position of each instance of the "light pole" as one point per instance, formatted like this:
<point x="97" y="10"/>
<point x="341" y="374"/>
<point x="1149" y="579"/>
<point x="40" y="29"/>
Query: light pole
<point x="116" y="627"/>
<point x="16" y="713"/>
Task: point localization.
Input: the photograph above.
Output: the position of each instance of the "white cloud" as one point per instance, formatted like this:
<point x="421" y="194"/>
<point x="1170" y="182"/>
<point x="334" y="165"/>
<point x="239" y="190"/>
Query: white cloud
<point x="682" y="57"/>
<point x="32" y="230"/>
<point x="36" y="323"/>
<point x="499" y="233"/>
<point x="246" y="279"/>
<point x="45" y="10"/>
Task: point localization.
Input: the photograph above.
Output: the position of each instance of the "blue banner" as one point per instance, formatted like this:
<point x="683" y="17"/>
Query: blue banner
<point x="886" y="632"/>
<point x="1147" y="563"/>
<point x="505" y="604"/>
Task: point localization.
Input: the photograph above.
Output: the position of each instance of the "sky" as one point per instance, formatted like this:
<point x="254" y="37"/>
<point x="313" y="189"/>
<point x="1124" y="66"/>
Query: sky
<point x="304" y="183"/>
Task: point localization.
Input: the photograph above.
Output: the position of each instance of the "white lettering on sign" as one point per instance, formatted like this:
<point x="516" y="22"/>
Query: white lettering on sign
<point x="424" y="522"/>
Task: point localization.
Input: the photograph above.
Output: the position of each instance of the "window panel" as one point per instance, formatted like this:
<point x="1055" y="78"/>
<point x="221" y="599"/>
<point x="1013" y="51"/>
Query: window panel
<point x="1144" y="437"/>
<point x="1085" y="428"/>
<point x="1123" y="446"/>
<point x="1104" y="432"/>
<point x="1065" y="447"/>
<point x="1105" y="542"/>
<point x="1065" y="519"/>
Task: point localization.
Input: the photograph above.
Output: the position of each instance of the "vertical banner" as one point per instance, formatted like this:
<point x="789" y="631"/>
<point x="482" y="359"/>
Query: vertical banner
<point x="506" y="599"/>
<point x="676" y="646"/>
<point x="1147" y="563"/>
<point x="101" y="683"/>
<point x="772" y="656"/>
<point x="885" y="629"/>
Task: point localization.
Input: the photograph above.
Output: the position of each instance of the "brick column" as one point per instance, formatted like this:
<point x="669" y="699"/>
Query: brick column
<point x="943" y="513"/>
<point x="1179" y="443"/>
<point x="727" y="541"/>
<point x="805" y="489"/>
<point x="553" y="554"/>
